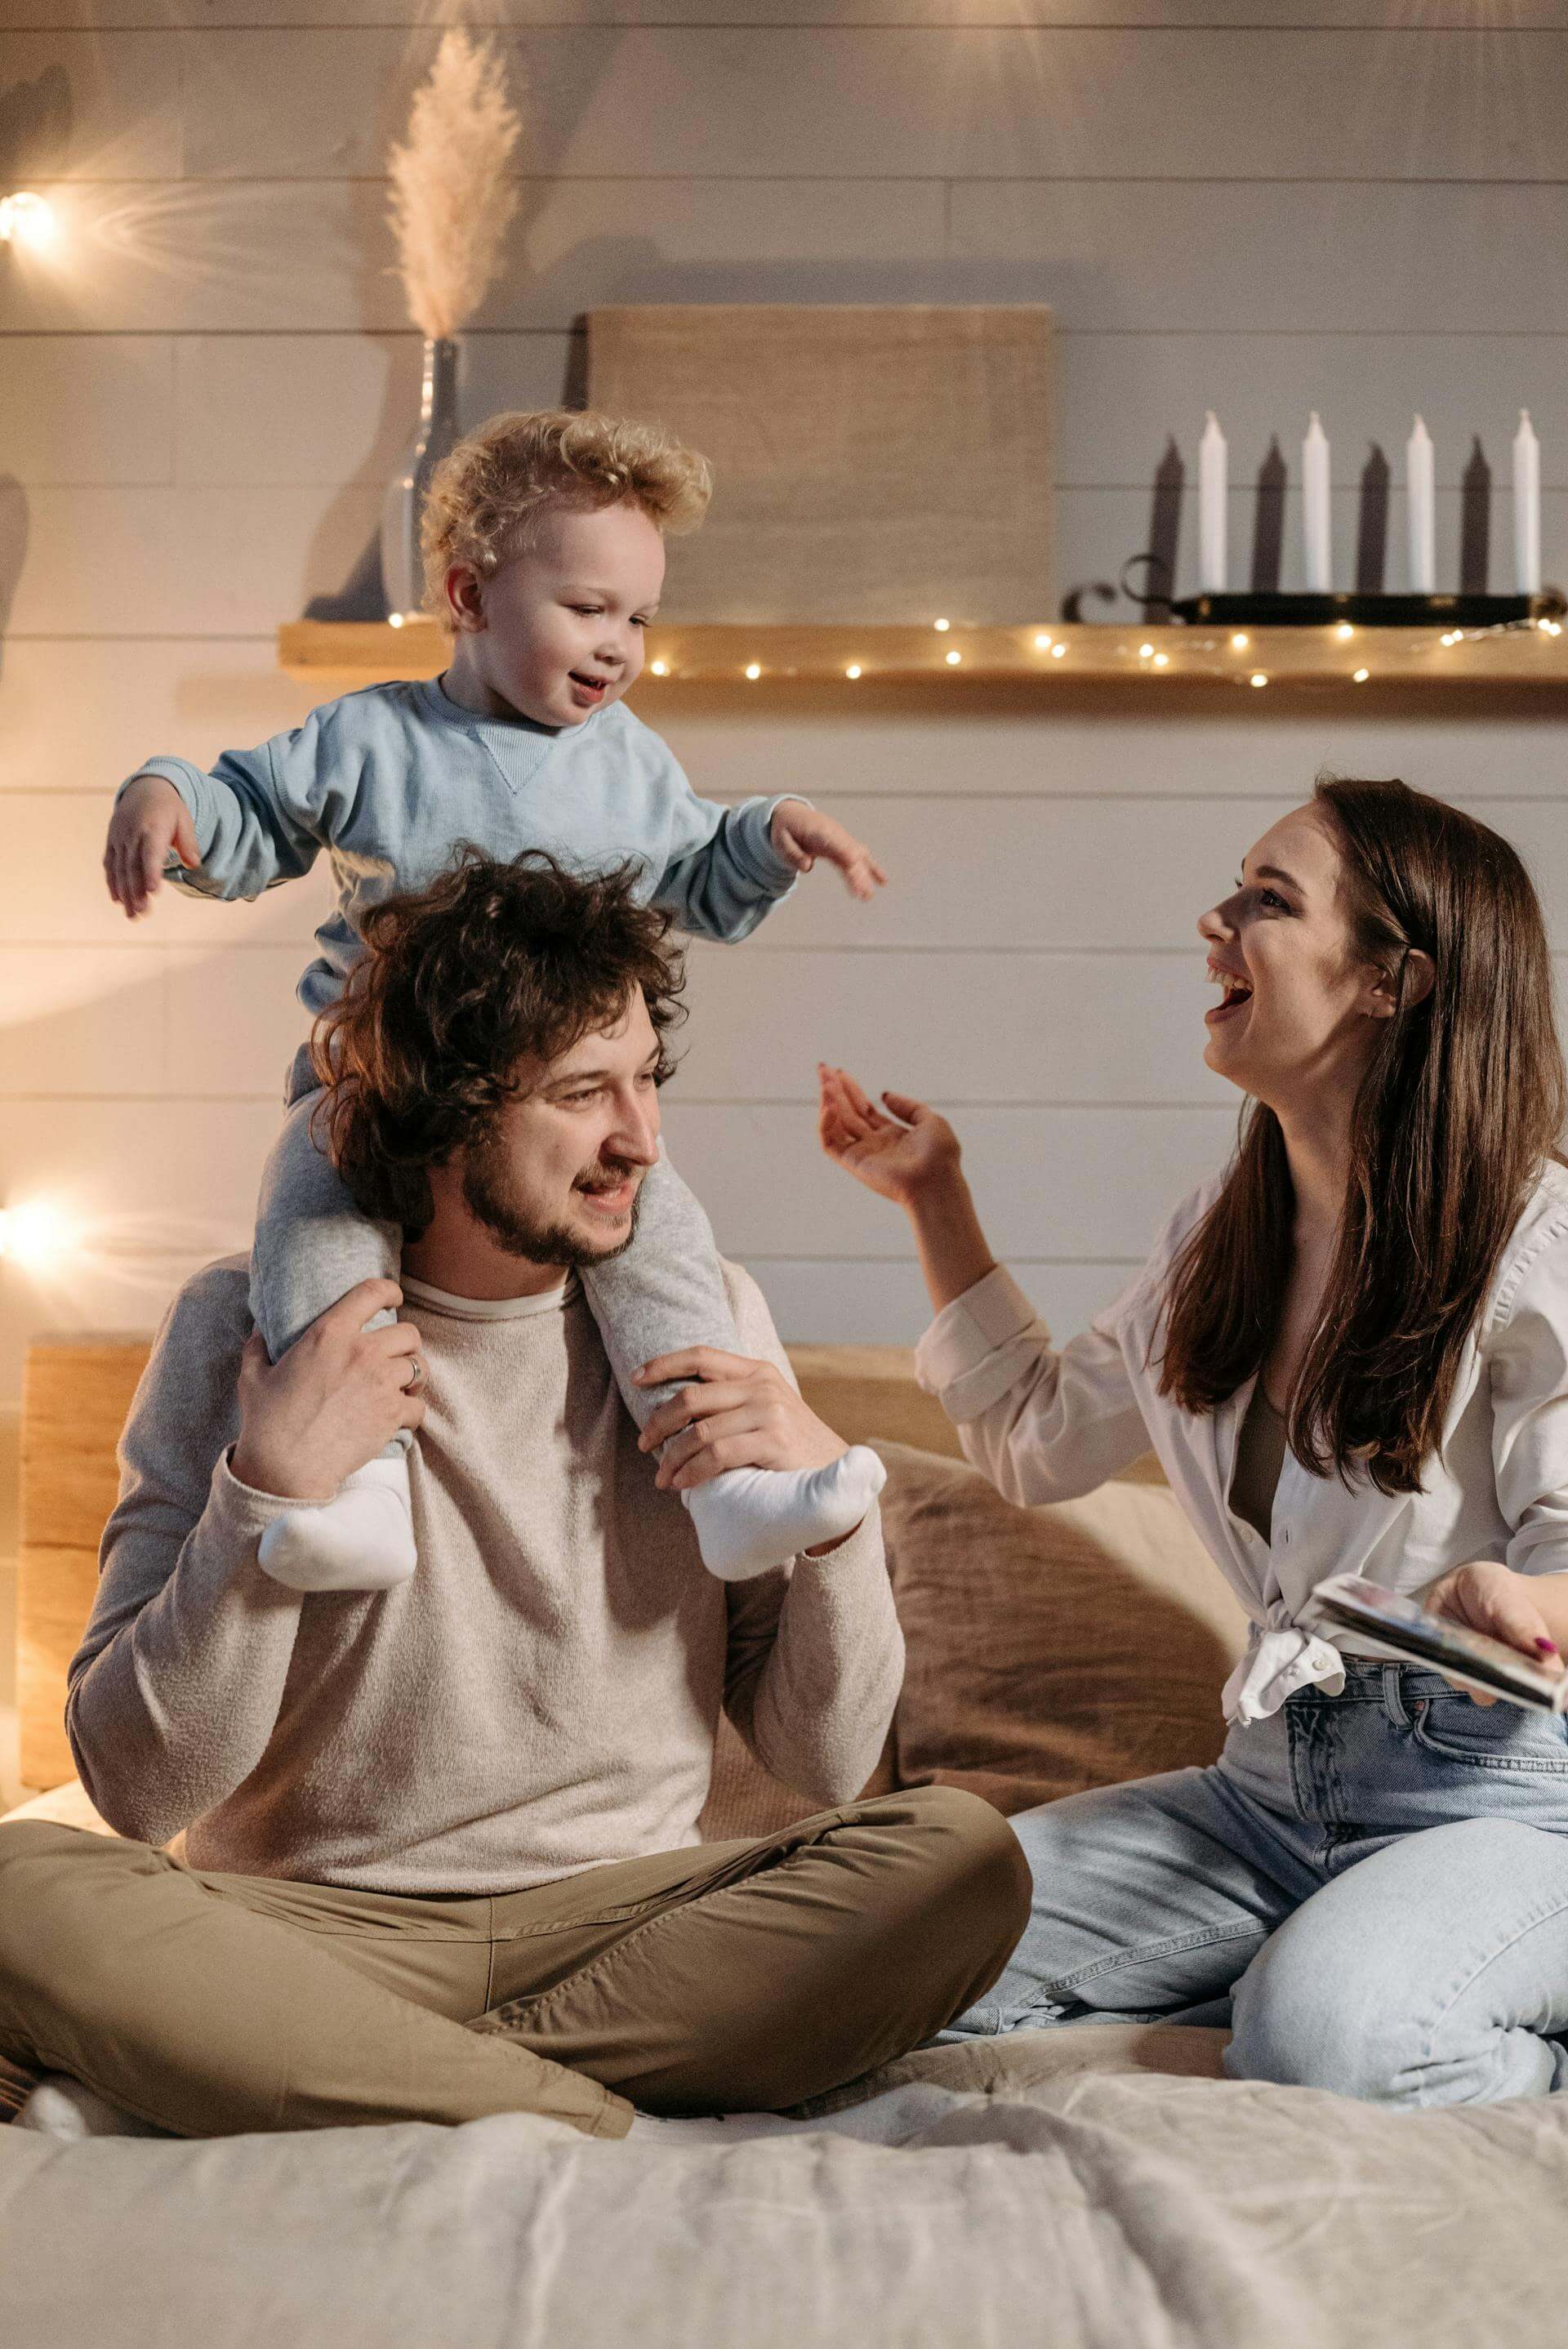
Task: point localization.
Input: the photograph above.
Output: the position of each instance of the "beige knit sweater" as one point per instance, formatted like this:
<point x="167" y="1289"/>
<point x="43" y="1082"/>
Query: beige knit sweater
<point x="541" y="1697"/>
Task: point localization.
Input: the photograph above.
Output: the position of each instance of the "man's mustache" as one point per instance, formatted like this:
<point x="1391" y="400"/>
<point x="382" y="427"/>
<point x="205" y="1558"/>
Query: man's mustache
<point x="607" y="1174"/>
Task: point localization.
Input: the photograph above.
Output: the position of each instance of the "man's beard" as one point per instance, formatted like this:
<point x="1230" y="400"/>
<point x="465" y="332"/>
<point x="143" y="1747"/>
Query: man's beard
<point x="490" y="1199"/>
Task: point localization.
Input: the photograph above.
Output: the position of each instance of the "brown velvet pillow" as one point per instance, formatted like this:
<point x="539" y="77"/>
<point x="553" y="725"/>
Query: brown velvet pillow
<point x="1050" y="1649"/>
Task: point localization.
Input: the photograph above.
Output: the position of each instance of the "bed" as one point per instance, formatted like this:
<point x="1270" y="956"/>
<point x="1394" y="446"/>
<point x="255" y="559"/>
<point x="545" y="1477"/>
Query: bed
<point x="1102" y="2186"/>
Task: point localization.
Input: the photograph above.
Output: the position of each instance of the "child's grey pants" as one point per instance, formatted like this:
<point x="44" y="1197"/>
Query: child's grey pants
<point x="312" y="1245"/>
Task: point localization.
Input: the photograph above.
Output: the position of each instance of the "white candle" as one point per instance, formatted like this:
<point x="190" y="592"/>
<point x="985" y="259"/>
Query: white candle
<point x="1420" y="495"/>
<point x="1212" y="494"/>
<point x="1527" y="506"/>
<point x="1315" y="521"/>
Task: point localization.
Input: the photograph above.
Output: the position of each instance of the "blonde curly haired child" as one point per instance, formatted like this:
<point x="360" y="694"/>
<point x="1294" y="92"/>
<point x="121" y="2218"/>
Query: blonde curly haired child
<point x="543" y="542"/>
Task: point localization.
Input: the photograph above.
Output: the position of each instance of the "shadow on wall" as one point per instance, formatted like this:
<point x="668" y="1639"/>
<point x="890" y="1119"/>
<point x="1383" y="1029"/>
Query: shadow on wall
<point x="37" y="119"/>
<point x="36" y="123"/>
<point x="15" y="522"/>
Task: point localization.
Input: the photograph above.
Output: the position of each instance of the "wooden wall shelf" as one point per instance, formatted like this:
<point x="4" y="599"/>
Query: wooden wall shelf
<point x="350" y="652"/>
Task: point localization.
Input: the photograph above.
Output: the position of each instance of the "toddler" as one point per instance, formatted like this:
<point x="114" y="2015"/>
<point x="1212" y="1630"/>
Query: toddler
<point x="544" y="558"/>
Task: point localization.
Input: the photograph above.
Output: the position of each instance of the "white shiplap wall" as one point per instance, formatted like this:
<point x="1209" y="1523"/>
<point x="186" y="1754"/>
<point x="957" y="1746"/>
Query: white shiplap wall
<point x="1355" y="204"/>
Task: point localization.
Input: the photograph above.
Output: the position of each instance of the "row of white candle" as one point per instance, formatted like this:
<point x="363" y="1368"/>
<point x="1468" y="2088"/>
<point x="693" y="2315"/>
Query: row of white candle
<point x="1420" y="500"/>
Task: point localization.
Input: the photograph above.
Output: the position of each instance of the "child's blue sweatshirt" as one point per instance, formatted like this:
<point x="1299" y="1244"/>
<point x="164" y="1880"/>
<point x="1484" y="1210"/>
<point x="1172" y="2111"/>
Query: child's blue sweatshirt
<point x="389" y="780"/>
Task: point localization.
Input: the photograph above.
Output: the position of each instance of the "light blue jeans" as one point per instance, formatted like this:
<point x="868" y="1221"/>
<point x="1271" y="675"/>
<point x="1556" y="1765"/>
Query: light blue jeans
<point x="1373" y="1887"/>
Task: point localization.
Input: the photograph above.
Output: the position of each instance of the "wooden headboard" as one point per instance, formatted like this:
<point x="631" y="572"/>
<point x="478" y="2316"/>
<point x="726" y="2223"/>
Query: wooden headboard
<point x="74" y="1397"/>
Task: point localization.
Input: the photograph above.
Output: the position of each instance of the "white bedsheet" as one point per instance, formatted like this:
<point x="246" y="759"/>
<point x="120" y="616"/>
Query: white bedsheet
<point x="1048" y="2188"/>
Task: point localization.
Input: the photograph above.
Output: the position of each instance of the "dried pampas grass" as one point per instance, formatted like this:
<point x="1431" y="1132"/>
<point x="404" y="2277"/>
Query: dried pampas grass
<point x="452" y="201"/>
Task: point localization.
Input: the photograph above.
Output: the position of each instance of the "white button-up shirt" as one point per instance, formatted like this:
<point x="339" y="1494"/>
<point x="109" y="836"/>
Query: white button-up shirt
<point x="1047" y="1425"/>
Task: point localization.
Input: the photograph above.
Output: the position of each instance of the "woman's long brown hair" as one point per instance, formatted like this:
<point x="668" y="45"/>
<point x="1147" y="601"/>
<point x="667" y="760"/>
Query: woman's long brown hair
<point x="1460" y="1108"/>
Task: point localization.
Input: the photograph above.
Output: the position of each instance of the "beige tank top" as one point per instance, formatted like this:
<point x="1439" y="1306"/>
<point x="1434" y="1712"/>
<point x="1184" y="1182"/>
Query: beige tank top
<point x="1260" y="1456"/>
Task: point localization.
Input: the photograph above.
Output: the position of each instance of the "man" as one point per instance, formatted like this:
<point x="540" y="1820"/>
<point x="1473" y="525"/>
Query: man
<point x="440" y="1845"/>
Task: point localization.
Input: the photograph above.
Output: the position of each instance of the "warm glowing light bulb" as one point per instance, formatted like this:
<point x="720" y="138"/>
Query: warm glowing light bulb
<point x="660" y="668"/>
<point x="1344" y="632"/>
<point x="1058" y="652"/>
<point x="1239" y="642"/>
<point x="33" y="1235"/>
<point x="1146" y="652"/>
<point x="1042" y="643"/>
<point x="1257" y="677"/>
<point x="754" y="670"/>
<point x="853" y="670"/>
<point x="941" y="626"/>
<point x="1361" y="676"/>
<point x="1161" y="660"/>
<point x="394" y="619"/>
<point x="952" y="659"/>
<point x="28" y="220"/>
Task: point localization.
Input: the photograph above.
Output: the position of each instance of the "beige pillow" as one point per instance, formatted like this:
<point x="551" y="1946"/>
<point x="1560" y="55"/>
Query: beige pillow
<point x="1050" y="1649"/>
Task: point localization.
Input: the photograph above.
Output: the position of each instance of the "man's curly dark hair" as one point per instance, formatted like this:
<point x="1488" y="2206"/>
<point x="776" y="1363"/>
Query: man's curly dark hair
<point x="494" y="964"/>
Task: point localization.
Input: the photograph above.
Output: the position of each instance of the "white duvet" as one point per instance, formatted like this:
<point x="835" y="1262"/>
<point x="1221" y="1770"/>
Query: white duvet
<point x="1048" y="2188"/>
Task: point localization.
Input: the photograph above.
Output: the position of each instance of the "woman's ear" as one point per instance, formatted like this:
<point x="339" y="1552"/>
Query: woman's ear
<point x="1419" y="975"/>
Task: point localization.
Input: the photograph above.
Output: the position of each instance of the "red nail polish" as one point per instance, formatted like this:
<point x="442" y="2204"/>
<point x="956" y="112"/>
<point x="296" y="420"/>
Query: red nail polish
<point x="1547" y="1646"/>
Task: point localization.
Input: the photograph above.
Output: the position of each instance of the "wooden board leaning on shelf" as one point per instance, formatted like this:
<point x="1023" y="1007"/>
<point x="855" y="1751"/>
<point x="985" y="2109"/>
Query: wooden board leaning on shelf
<point x="342" y="654"/>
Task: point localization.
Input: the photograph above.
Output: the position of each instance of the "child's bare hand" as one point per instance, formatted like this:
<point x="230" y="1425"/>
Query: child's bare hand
<point x="149" y="819"/>
<point x="802" y="834"/>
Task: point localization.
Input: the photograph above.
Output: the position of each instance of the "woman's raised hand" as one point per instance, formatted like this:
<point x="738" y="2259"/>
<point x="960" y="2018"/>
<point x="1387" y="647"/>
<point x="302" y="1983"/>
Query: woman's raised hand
<point x="907" y="1154"/>
<point x="899" y="1154"/>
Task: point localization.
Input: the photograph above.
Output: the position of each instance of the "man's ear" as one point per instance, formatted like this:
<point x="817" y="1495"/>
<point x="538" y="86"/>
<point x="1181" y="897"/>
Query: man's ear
<point x="465" y="599"/>
<point x="1419" y="975"/>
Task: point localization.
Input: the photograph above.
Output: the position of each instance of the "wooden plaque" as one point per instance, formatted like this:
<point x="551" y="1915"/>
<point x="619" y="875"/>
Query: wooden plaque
<point x="886" y="463"/>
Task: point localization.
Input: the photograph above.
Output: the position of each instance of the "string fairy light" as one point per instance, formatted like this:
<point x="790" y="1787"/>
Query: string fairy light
<point x="754" y="670"/>
<point x="941" y="626"/>
<point x="952" y="659"/>
<point x="852" y="671"/>
<point x="660" y="668"/>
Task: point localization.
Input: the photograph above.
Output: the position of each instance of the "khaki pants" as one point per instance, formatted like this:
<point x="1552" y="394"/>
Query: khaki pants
<point x="726" y="1976"/>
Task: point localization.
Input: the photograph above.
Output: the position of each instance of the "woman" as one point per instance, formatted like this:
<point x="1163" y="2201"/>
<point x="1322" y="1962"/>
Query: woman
<point x="1350" y="1351"/>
